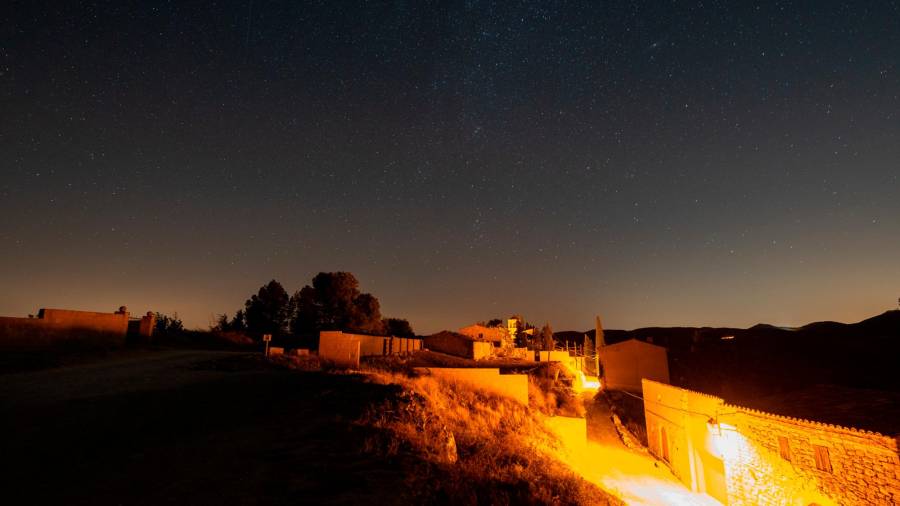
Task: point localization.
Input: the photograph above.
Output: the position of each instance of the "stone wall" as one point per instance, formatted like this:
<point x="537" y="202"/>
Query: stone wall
<point x="459" y="345"/>
<point x="746" y="457"/>
<point x="62" y="327"/>
<point x="337" y="347"/>
<point x="773" y="460"/>
<point x="401" y="345"/>
<point x="513" y="386"/>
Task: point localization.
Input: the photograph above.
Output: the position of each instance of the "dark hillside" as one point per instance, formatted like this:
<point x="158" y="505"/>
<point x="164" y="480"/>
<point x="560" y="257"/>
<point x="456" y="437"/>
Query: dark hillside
<point x="766" y="360"/>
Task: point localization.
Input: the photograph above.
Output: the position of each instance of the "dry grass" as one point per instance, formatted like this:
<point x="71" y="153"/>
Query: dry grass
<point x="549" y="391"/>
<point x="471" y="448"/>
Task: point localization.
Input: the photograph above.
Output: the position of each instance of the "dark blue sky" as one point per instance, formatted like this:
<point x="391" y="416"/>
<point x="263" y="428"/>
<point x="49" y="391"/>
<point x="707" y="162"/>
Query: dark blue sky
<point x="656" y="163"/>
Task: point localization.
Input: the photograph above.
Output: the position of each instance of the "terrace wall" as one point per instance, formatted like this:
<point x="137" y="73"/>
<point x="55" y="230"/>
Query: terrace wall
<point x="459" y="345"/>
<point x="63" y="326"/>
<point x="514" y="386"/>
<point x="338" y="347"/>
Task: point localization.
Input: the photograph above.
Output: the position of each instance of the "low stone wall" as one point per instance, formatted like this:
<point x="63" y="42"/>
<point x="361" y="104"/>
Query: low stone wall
<point x="401" y="345"/>
<point x="513" y="386"/>
<point x="459" y="345"/>
<point x="64" y="327"/>
<point x="339" y="349"/>
<point x="336" y="346"/>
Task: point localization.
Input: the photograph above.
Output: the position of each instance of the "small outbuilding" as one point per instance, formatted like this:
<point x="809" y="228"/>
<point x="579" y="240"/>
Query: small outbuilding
<point x="460" y="345"/>
<point x="625" y="364"/>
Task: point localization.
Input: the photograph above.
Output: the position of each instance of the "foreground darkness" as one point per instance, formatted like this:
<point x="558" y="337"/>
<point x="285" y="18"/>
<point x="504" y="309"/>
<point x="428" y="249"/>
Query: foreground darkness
<point x="100" y="435"/>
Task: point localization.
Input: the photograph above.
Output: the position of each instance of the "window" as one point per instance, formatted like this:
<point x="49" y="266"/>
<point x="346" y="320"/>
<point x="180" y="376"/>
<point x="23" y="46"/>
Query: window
<point x="784" y="448"/>
<point x="823" y="463"/>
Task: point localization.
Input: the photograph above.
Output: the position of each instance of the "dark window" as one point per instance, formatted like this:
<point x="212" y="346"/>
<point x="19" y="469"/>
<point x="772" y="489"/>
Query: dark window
<point x="823" y="463"/>
<point x="664" y="443"/>
<point x="784" y="448"/>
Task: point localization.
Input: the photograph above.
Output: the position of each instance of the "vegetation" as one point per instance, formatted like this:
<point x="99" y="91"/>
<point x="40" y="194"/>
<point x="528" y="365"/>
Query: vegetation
<point x="546" y="340"/>
<point x="269" y="310"/>
<point x="397" y="327"/>
<point x="332" y="302"/>
<point x="471" y="448"/>
<point x="168" y="326"/>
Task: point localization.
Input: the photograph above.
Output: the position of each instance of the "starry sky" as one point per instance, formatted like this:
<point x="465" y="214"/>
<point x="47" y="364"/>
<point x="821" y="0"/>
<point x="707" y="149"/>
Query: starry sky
<point x="658" y="163"/>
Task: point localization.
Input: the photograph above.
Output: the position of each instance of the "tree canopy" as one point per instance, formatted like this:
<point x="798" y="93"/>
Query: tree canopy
<point x="398" y="327"/>
<point x="268" y="311"/>
<point x="333" y="301"/>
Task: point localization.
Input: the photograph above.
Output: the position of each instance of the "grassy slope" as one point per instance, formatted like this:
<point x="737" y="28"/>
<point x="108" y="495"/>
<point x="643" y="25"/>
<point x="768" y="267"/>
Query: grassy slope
<point x="196" y="428"/>
<point x="472" y="448"/>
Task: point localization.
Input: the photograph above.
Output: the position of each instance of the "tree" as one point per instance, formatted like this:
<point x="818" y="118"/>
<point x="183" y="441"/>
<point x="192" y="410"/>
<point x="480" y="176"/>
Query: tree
<point x="236" y="324"/>
<point x="365" y="315"/>
<point x="334" y="302"/>
<point x="269" y="311"/>
<point x="589" y="353"/>
<point x="168" y="325"/>
<point x="599" y="338"/>
<point x="496" y="322"/>
<point x="398" y="327"/>
<point x="547" y="341"/>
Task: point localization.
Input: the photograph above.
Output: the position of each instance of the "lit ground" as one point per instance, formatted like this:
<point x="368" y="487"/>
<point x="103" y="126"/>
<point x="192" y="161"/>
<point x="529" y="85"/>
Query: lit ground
<point x="635" y="477"/>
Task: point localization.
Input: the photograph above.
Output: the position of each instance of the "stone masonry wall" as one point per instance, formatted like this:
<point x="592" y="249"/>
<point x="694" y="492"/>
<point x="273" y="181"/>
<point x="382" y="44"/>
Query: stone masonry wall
<point x="864" y="465"/>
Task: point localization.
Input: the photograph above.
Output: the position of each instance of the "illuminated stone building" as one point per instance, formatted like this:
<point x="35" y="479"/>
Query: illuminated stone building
<point x="742" y="456"/>
<point x="499" y="336"/>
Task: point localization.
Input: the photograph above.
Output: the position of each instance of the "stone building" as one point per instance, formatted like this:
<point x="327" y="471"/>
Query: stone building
<point x="346" y="349"/>
<point x="625" y="364"/>
<point x="459" y="345"/>
<point x="498" y="336"/>
<point x="743" y="456"/>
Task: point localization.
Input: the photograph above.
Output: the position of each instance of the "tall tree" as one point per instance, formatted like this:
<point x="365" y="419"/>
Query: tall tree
<point x="589" y="353"/>
<point x="398" y="327"/>
<point x="599" y="338"/>
<point x="547" y="341"/>
<point x="269" y="311"/>
<point x="334" y="302"/>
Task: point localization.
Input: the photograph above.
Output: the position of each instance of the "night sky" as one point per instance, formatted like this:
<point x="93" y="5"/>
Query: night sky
<point x="658" y="163"/>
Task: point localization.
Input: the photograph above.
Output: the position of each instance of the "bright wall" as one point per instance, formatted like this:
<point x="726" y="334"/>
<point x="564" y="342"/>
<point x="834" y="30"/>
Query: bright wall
<point x="61" y="326"/>
<point x="625" y="364"/>
<point x="735" y="454"/>
<point x="513" y="386"/>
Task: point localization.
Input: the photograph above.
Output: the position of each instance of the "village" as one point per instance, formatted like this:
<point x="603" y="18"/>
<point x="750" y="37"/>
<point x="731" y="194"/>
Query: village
<point x="617" y="418"/>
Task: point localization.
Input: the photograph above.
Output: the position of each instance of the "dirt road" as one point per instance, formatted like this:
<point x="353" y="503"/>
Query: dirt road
<point x="635" y="477"/>
<point x="187" y="427"/>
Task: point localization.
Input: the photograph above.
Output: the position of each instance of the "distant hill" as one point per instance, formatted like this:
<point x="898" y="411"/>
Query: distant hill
<point x="885" y="325"/>
<point x="769" y="360"/>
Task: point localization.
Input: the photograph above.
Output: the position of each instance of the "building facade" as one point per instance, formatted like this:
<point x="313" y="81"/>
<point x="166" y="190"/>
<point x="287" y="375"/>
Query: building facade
<point x="747" y="457"/>
<point x="625" y="364"/>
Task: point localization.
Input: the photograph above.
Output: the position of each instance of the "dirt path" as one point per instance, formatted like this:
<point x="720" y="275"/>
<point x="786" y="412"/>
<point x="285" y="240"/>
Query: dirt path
<point x="188" y="427"/>
<point x="636" y="477"/>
